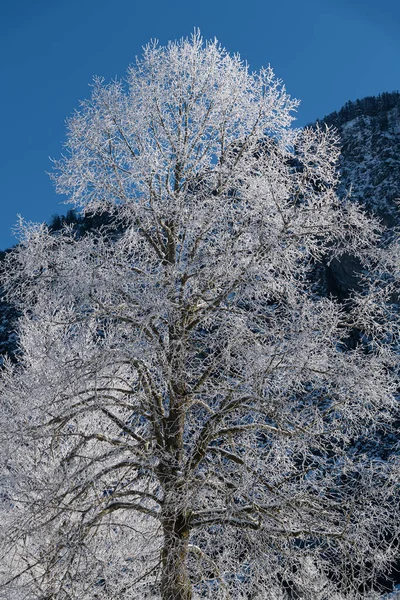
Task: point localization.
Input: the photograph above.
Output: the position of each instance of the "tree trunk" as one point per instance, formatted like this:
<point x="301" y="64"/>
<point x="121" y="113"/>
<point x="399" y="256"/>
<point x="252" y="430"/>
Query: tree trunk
<point x="175" y="581"/>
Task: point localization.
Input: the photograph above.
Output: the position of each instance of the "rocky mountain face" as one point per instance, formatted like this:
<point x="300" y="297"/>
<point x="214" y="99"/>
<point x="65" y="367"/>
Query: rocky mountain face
<point x="369" y="131"/>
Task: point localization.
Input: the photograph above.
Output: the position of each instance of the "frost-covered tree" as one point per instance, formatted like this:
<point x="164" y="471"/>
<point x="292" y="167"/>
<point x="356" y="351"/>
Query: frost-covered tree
<point x="182" y="420"/>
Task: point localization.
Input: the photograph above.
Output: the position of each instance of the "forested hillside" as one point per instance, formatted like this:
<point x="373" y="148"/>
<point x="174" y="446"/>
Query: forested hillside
<point x="370" y="163"/>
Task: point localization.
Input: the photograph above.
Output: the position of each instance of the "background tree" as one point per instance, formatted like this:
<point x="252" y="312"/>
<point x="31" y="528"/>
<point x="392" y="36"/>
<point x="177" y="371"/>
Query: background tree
<point x="181" y="423"/>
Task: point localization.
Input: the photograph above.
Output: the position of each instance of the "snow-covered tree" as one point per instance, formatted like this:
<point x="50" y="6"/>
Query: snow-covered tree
<point x="182" y="420"/>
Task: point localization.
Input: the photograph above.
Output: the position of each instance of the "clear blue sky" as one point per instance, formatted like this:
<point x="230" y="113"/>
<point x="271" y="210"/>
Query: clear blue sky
<point x="326" y="52"/>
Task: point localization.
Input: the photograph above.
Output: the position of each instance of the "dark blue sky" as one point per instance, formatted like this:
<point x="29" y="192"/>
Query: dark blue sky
<point x="326" y="52"/>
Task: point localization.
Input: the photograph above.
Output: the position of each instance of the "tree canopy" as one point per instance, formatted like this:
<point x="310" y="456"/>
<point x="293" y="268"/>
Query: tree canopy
<point x="183" y="419"/>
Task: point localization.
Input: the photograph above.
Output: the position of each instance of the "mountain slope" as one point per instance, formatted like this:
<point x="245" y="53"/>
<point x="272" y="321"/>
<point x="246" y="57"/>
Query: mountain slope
<point x="370" y="164"/>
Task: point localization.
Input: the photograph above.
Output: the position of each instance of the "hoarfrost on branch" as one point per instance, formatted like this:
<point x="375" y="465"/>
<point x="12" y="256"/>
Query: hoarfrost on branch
<point x="184" y="416"/>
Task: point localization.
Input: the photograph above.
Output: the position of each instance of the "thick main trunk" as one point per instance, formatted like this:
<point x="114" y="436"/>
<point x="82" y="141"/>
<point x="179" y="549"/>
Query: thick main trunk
<point x="176" y="510"/>
<point x="175" y="581"/>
